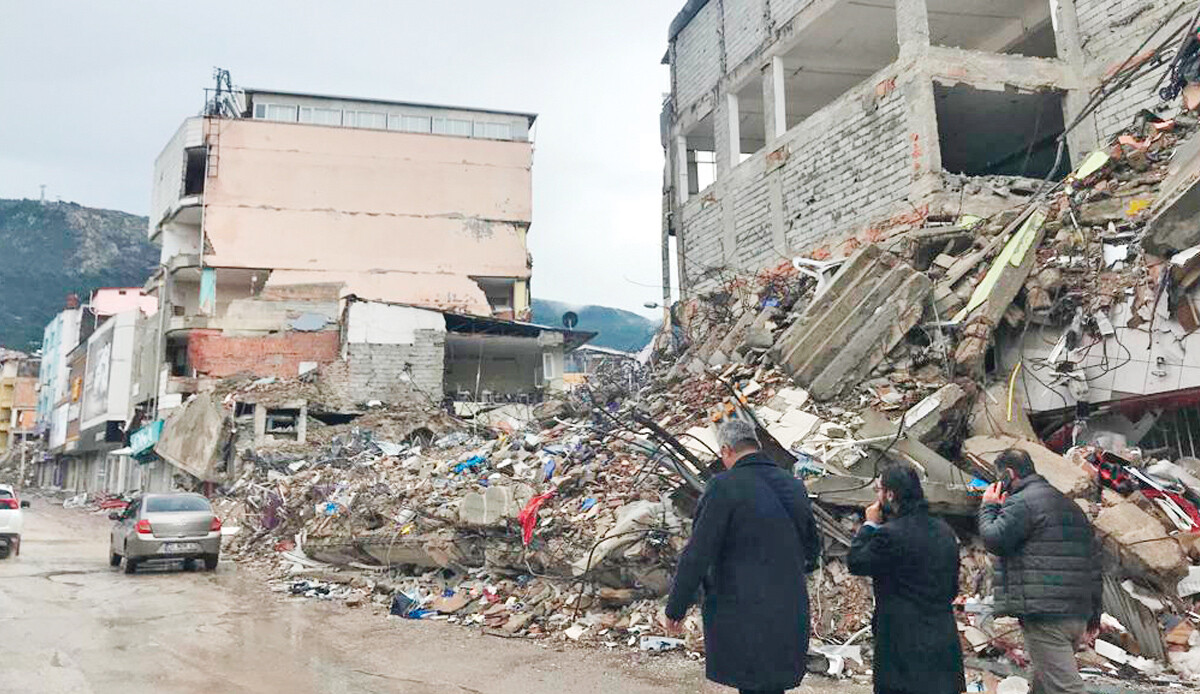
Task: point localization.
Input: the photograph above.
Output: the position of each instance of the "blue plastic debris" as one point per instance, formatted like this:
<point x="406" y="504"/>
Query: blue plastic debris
<point x="977" y="485"/>
<point x="472" y="463"/>
<point x="548" y="470"/>
<point x="406" y="607"/>
<point x="587" y="503"/>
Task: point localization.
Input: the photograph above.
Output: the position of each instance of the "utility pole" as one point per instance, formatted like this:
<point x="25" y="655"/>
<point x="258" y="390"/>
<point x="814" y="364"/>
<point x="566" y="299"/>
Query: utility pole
<point x="21" y="479"/>
<point x="43" y="193"/>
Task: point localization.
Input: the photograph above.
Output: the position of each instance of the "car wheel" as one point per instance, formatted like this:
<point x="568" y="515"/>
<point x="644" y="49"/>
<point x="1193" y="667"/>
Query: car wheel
<point x="210" y="562"/>
<point x="114" y="559"/>
<point x="130" y="565"/>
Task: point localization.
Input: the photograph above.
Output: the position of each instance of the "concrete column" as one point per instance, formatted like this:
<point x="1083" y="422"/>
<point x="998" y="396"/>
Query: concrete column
<point x="924" y="148"/>
<point x="684" y="170"/>
<point x="302" y="424"/>
<point x="774" y="100"/>
<point x="1083" y="139"/>
<point x="733" y="122"/>
<point x="912" y="27"/>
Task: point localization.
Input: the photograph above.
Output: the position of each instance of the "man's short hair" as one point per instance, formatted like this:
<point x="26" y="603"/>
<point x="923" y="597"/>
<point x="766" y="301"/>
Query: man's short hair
<point x="1016" y="460"/>
<point x="902" y="480"/>
<point x="737" y="434"/>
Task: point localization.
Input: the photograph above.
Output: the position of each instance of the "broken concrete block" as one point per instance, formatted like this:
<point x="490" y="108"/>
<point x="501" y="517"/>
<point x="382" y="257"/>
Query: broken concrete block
<point x="489" y="508"/>
<point x="793" y="426"/>
<point x="923" y="420"/>
<point x="453" y="603"/>
<point x="990" y="416"/>
<point x="1142" y="544"/>
<point x="1066" y="477"/>
<point x="859" y="492"/>
<point x="849" y="329"/>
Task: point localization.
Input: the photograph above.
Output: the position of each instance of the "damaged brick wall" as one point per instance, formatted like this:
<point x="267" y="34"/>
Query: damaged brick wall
<point x="397" y="373"/>
<point x="1103" y="24"/>
<point x="698" y="55"/>
<point x="745" y="29"/>
<point x="1109" y="31"/>
<point x="852" y="166"/>
<point x="214" y="354"/>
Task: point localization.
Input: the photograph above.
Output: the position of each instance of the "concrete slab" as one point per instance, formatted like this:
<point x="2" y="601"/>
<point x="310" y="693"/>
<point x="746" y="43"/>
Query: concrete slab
<point x="1142" y="544"/>
<point x="1068" y="478"/>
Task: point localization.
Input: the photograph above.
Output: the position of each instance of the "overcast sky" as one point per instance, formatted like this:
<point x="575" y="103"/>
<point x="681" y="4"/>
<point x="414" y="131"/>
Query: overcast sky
<point x="91" y="91"/>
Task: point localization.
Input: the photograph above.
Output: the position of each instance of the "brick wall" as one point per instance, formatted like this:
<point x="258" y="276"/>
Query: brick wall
<point x="1106" y="24"/>
<point x="850" y="164"/>
<point x="1109" y="31"/>
<point x="398" y="373"/>
<point x="213" y="354"/>
<point x="1120" y="108"/>
<point x="701" y="246"/>
<point x="745" y="28"/>
<point x="846" y="176"/>
<point x="698" y="56"/>
<point x="783" y="10"/>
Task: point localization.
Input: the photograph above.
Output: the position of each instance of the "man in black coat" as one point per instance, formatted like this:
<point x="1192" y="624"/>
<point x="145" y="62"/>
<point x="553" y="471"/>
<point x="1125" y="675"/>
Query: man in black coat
<point x="912" y="559"/>
<point x="1048" y="571"/>
<point x="753" y="540"/>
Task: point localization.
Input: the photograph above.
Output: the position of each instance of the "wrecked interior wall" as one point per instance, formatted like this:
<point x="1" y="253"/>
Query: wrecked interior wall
<point x="495" y="364"/>
<point x="281" y="355"/>
<point x="391" y="354"/>
<point x="194" y="437"/>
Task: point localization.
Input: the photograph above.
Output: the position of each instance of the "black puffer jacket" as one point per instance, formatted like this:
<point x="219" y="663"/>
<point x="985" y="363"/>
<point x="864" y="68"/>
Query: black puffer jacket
<point x="1048" y="563"/>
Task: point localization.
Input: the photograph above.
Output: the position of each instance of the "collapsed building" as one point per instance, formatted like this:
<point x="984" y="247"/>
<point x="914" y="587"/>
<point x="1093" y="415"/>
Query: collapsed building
<point x="805" y="128"/>
<point x="862" y="306"/>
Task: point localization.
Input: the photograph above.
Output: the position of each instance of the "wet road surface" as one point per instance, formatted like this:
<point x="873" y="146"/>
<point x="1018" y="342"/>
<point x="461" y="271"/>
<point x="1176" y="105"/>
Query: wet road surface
<point x="70" y="623"/>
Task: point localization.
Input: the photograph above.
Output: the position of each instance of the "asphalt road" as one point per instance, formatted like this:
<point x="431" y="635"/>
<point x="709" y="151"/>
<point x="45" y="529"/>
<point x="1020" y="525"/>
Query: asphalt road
<point x="70" y="623"/>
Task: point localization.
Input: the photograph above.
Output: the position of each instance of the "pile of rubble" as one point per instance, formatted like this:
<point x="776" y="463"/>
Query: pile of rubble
<point x="565" y="520"/>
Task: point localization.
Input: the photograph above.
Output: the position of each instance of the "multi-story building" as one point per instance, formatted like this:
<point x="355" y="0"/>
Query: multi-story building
<point x="268" y="220"/>
<point x="18" y="398"/>
<point x="59" y="337"/>
<point x="793" y="126"/>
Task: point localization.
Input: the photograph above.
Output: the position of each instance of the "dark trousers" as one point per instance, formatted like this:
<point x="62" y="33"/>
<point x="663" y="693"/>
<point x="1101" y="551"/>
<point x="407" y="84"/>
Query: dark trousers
<point x="760" y="691"/>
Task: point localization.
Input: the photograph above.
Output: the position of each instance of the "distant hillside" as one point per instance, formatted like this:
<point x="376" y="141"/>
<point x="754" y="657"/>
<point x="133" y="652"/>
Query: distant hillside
<point x="50" y="250"/>
<point x="618" y="329"/>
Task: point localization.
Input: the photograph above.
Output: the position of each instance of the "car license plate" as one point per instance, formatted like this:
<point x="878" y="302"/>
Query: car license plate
<point x="180" y="547"/>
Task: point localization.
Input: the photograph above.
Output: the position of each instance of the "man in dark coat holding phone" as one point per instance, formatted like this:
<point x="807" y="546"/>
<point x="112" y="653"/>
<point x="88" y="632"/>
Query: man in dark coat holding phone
<point x="753" y="540"/>
<point x="912" y="559"/>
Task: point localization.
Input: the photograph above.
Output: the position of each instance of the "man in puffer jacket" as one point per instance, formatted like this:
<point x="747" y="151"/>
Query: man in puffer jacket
<point x="1048" y="571"/>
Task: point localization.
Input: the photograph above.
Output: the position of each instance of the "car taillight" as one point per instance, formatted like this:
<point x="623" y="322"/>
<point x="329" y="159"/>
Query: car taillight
<point x="215" y="526"/>
<point x="12" y="504"/>
<point x="143" y="527"/>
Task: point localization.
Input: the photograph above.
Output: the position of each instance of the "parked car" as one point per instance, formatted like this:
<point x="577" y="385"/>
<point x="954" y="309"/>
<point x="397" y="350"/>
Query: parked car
<point x="11" y="521"/>
<point x="164" y="527"/>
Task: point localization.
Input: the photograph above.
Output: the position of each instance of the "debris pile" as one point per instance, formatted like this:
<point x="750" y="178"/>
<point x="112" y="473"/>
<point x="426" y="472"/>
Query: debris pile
<point x="565" y="520"/>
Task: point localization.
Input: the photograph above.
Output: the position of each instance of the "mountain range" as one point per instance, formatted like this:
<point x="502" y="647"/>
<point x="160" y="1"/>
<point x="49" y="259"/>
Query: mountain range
<point x="49" y="250"/>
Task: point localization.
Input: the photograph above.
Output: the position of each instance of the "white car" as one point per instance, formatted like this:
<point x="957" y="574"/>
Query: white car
<point x="11" y="521"/>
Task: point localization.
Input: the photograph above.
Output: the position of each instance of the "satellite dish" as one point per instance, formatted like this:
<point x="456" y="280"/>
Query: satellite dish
<point x="570" y="320"/>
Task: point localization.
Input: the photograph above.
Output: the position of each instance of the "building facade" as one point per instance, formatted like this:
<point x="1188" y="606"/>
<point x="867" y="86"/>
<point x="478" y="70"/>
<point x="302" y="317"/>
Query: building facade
<point x="808" y="127"/>
<point x="59" y="337"/>
<point x="18" y="399"/>
<point x="277" y="215"/>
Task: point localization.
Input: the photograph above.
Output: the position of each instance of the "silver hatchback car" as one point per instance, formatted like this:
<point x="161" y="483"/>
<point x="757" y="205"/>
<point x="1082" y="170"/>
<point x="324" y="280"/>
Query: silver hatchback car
<point x="166" y="526"/>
